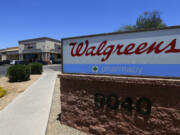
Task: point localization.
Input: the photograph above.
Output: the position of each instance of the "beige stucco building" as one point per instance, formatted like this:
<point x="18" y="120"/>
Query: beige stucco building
<point x="37" y="49"/>
<point x="9" y="54"/>
<point x="45" y="49"/>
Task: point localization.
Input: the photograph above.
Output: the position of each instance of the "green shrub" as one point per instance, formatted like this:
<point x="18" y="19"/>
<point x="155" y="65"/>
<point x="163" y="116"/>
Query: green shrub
<point x="36" y="68"/>
<point x="2" y="92"/>
<point x="19" y="73"/>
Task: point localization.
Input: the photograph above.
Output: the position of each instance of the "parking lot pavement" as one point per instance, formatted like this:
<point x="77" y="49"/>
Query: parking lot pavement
<point x="3" y="69"/>
<point x="56" y="67"/>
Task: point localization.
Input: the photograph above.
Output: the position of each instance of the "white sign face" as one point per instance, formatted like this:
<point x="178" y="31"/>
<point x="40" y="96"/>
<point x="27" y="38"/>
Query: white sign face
<point x="149" y="53"/>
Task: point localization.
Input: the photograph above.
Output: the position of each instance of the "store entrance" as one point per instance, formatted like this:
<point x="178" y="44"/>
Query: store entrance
<point x="31" y="57"/>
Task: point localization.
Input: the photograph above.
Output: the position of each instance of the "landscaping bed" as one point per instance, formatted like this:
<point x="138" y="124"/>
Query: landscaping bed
<point x="54" y="125"/>
<point x="14" y="89"/>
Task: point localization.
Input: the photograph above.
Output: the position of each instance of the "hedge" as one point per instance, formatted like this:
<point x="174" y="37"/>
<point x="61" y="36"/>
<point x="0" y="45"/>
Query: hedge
<point x="19" y="73"/>
<point x="36" y="68"/>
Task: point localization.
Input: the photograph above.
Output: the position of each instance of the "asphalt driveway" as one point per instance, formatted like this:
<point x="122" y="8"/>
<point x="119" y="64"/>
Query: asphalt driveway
<point x="56" y="67"/>
<point x="3" y="69"/>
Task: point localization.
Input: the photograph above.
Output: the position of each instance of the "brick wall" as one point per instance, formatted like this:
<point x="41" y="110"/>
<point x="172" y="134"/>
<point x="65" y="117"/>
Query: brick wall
<point x="79" y="109"/>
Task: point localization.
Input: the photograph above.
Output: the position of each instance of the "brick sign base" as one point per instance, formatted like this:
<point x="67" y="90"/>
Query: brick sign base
<point x="80" y="111"/>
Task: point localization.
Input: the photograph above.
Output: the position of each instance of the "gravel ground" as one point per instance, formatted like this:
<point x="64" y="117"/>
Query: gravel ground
<point x="14" y="89"/>
<point x="54" y="126"/>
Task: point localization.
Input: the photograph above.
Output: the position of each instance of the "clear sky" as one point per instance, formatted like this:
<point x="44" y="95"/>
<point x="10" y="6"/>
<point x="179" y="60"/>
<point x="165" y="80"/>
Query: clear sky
<point x="25" y="19"/>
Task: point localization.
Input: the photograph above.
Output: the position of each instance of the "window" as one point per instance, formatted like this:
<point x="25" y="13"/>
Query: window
<point x="30" y="45"/>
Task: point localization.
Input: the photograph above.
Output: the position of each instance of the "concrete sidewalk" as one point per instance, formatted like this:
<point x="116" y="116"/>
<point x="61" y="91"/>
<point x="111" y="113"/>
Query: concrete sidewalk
<point x="28" y="114"/>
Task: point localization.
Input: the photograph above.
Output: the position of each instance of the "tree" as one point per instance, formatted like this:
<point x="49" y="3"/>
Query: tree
<point x="128" y="28"/>
<point x="146" y="21"/>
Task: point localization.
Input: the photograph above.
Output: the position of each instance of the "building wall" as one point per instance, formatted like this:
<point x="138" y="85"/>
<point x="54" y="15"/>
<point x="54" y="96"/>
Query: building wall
<point x="12" y="57"/>
<point x="4" y="57"/>
<point x="37" y="46"/>
<point x="11" y="53"/>
<point x="44" y="48"/>
<point x="9" y="57"/>
<point x="53" y="47"/>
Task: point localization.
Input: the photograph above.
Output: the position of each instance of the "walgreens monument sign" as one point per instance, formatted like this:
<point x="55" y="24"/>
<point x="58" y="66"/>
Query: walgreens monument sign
<point x="145" y="53"/>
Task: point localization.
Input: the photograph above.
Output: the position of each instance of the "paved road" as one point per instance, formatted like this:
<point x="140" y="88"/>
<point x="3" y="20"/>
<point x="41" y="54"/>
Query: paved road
<point x="53" y="67"/>
<point x="3" y="69"/>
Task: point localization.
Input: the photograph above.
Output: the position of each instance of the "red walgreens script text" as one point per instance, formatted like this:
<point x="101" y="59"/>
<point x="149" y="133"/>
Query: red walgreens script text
<point x="107" y="50"/>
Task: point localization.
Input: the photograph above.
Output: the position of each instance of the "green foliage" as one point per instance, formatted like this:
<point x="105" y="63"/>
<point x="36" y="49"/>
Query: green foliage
<point x="149" y="20"/>
<point x="146" y="21"/>
<point x="36" y="68"/>
<point x="128" y="28"/>
<point x="2" y="92"/>
<point x="19" y="73"/>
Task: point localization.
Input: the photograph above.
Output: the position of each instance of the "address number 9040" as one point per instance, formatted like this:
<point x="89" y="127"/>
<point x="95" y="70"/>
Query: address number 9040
<point x="143" y="105"/>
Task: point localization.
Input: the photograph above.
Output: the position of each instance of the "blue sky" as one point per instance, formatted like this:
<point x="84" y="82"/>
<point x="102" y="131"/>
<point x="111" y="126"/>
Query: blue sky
<point x="25" y="19"/>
